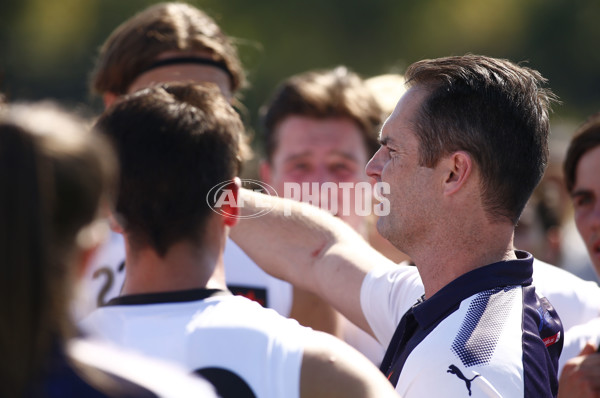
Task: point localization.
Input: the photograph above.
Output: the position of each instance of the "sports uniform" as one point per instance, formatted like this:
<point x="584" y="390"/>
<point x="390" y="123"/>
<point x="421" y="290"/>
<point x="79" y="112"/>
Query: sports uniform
<point x="106" y="275"/>
<point x="486" y="333"/>
<point x="92" y="369"/>
<point x="241" y="348"/>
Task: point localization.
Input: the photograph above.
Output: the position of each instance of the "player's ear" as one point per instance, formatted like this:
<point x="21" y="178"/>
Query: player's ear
<point x="84" y="259"/>
<point x="458" y="168"/>
<point x="115" y="225"/>
<point x="230" y="210"/>
<point x="109" y="98"/>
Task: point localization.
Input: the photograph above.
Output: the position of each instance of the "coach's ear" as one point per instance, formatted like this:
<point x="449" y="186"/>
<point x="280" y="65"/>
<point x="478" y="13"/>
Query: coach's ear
<point x="231" y="209"/>
<point x="458" y="168"/>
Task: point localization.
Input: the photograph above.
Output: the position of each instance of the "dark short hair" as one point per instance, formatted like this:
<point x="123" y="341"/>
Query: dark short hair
<point x="585" y="138"/>
<point x="321" y="94"/>
<point x="496" y="111"/>
<point x="137" y="42"/>
<point x="174" y="143"/>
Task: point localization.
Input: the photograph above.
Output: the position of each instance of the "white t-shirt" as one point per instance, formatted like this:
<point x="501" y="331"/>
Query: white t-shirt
<point x="577" y="337"/>
<point x="576" y="300"/>
<point x="209" y="331"/>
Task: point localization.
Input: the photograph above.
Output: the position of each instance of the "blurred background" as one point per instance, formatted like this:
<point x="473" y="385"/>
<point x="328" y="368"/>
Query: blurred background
<point x="48" y="47"/>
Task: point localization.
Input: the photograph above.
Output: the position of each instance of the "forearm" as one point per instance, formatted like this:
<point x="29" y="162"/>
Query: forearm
<point x="291" y="240"/>
<point x="307" y="247"/>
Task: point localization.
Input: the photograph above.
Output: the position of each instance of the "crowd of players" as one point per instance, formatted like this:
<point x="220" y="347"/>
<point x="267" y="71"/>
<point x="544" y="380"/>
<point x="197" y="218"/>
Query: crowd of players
<point x="435" y="292"/>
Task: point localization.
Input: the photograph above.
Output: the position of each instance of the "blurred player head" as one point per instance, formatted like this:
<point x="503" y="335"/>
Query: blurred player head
<point x="55" y="176"/>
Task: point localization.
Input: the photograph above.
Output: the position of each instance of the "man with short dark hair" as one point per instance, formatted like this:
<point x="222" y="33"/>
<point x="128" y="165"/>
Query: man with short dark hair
<point x="176" y="143"/>
<point x="461" y="154"/>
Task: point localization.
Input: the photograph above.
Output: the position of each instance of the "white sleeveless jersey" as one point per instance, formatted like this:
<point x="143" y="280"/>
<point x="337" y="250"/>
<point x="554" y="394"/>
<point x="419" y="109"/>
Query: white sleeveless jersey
<point x="106" y="274"/>
<point x="244" y="350"/>
<point x="576" y="338"/>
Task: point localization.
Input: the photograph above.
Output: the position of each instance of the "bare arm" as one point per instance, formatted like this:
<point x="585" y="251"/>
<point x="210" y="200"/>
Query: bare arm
<point x="310" y="249"/>
<point x="331" y="369"/>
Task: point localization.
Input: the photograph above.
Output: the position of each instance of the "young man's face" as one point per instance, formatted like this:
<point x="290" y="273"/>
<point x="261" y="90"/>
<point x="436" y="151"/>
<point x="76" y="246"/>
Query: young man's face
<point x="311" y="150"/>
<point x="586" y="202"/>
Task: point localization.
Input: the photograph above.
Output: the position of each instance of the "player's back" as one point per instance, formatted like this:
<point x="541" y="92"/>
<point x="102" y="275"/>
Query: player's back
<point x="242" y="348"/>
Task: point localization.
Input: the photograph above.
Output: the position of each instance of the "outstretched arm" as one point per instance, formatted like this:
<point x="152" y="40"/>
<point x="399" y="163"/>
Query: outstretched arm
<point x="309" y="248"/>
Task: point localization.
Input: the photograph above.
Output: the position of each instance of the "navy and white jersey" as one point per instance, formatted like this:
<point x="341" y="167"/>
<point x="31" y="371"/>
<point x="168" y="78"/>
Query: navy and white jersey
<point x="485" y="334"/>
<point x="243" y="349"/>
<point x="92" y="369"/>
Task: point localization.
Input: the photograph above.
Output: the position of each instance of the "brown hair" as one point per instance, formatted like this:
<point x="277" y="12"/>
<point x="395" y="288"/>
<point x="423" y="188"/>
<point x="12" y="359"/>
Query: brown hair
<point x="585" y="138"/>
<point x="496" y="111"/>
<point x="175" y="142"/>
<point x="54" y="176"/>
<point x="336" y="92"/>
<point x="135" y="45"/>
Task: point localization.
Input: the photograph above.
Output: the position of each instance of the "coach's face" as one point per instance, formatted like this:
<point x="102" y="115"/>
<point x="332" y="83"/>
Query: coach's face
<point x="396" y="163"/>
<point x="586" y="203"/>
<point x="311" y="150"/>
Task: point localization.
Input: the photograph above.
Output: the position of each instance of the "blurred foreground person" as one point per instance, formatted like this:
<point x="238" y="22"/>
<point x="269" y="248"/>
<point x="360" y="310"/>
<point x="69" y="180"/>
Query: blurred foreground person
<point x="56" y="178"/>
<point x="179" y="148"/>
<point x="580" y="375"/>
<point x="175" y="42"/>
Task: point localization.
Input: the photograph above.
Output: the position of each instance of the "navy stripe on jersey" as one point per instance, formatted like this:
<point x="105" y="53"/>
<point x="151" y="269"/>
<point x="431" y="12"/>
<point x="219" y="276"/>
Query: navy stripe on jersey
<point x="478" y="335"/>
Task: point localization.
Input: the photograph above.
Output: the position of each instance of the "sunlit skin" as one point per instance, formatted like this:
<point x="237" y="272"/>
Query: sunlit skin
<point x="315" y="150"/>
<point x="411" y="185"/>
<point x="586" y="203"/>
<point x="426" y="202"/>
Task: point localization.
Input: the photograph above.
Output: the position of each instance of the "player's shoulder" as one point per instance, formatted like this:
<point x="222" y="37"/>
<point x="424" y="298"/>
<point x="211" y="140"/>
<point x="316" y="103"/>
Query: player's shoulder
<point x="243" y="313"/>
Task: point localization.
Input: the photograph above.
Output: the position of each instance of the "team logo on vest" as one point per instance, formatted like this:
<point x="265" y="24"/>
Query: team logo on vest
<point x="222" y="199"/>
<point x="453" y="369"/>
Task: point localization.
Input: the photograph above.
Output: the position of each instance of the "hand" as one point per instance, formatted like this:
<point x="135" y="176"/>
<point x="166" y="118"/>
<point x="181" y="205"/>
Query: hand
<point x="580" y="377"/>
